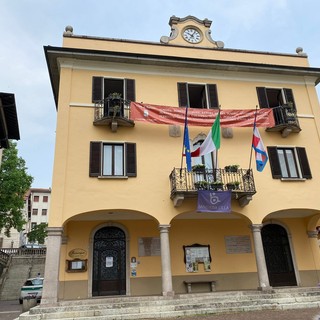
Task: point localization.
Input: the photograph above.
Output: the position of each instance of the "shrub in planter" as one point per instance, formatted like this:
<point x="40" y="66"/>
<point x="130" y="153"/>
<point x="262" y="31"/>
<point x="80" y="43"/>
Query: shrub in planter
<point x="233" y="185"/>
<point x="201" y="185"/>
<point x="198" y="168"/>
<point x="231" y="168"/>
<point x="217" y="185"/>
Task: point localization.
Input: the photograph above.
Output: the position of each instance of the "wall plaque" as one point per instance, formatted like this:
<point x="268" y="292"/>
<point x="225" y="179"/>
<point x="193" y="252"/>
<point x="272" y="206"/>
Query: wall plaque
<point x="149" y="247"/>
<point x="238" y="244"/>
<point x="77" y="253"/>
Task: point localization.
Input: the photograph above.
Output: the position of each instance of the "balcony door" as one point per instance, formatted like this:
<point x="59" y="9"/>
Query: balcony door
<point x="278" y="256"/>
<point x="206" y="159"/>
<point x="276" y="98"/>
<point x="109" y="262"/>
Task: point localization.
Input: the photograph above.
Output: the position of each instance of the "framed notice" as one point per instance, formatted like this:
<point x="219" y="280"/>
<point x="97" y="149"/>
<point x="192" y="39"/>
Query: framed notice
<point x="76" y="265"/>
<point x="197" y="254"/>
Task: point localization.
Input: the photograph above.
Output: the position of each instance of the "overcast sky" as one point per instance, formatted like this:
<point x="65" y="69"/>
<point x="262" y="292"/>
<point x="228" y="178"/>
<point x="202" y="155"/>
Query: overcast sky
<point x="28" y="25"/>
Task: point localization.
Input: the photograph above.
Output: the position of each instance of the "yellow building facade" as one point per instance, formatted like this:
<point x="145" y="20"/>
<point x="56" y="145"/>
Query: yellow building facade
<point x="123" y="215"/>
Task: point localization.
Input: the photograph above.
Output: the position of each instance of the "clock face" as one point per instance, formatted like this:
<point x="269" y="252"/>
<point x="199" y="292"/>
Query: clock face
<point x="192" y="35"/>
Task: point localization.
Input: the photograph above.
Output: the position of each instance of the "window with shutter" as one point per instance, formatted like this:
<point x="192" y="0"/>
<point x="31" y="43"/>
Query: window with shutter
<point x="275" y="97"/>
<point x="97" y="89"/>
<point x="262" y="97"/>
<point x="289" y="163"/>
<point x="112" y="159"/>
<point x="198" y="95"/>
<point x="274" y="162"/>
<point x="95" y="159"/>
<point x="103" y="87"/>
<point x="289" y="97"/>
<point x="213" y="96"/>
<point x="130" y="90"/>
<point x="282" y="103"/>
<point x="131" y="165"/>
<point x="304" y="163"/>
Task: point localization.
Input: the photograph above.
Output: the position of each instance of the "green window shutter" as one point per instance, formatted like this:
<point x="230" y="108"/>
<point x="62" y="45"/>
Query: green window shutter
<point x="304" y="163"/>
<point x="262" y="97"/>
<point x="130" y="90"/>
<point x="213" y="96"/>
<point x="131" y="159"/>
<point x="95" y="159"/>
<point x="97" y="86"/>
<point x="274" y="163"/>
<point x="183" y="94"/>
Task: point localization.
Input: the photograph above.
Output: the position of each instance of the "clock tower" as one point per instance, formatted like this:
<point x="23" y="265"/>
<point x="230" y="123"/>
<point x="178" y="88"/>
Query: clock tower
<point x="191" y="31"/>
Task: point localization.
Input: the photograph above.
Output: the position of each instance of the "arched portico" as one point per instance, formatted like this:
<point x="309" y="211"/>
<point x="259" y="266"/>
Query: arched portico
<point x="297" y="229"/>
<point x="227" y="238"/>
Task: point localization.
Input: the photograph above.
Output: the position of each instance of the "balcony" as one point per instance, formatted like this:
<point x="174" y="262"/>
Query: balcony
<point x="286" y="120"/>
<point x="186" y="184"/>
<point x="113" y="111"/>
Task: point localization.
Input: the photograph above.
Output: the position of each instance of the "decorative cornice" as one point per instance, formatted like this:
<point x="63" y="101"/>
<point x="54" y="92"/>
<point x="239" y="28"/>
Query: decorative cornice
<point x="175" y="20"/>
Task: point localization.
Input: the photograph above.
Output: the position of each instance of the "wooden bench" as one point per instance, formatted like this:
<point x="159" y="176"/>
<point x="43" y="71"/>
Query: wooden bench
<point x="189" y="284"/>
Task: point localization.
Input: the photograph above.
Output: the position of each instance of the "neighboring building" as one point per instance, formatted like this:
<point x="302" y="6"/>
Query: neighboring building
<point x="38" y="204"/>
<point x="35" y="211"/>
<point x="123" y="215"/>
<point x="15" y="240"/>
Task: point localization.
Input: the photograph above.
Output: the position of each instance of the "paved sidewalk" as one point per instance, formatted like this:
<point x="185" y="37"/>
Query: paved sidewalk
<point x="10" y="310"/>
<point x="298" y="314"/>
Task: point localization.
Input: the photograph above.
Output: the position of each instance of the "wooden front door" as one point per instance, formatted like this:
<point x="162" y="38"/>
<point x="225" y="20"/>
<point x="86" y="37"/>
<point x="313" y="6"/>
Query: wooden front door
<point x="278" y="256"/>
<point x="109" y="262"/>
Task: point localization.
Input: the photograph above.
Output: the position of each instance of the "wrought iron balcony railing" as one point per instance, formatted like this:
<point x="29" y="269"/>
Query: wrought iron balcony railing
<point x="286" y="120"/>
<point x="112" y="111"/>
<point x="186" y="184"/>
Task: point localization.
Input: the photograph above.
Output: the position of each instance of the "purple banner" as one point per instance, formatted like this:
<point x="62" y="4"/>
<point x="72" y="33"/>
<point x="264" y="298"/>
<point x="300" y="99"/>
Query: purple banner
<point x="214" y="201"/>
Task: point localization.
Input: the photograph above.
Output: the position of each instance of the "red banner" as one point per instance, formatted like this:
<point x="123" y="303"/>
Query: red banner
<point x="200" y="117"/>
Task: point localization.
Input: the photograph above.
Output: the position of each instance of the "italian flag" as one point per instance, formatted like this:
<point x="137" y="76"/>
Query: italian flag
<point x="212" y="141"/>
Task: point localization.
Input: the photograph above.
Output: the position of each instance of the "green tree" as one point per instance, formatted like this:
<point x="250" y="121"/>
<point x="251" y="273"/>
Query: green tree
<point x="14" y="183"/>
<point x="38" y="233"/>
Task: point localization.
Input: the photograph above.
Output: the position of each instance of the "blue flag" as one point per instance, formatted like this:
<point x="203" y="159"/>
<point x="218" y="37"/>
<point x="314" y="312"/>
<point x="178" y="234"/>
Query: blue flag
<point x="187" y="148"/>
<point x="186" y="143"/>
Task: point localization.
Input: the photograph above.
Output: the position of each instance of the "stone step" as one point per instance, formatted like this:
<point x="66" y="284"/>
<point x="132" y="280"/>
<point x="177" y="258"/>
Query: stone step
<point x="178" y="306"/>
<point x="202" y="296"/>
<point x="192" y="304"/>
<point x="97" y="314"/>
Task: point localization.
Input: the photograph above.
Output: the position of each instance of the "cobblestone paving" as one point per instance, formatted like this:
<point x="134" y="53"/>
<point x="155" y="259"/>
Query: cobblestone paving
<point x="299" y="314"/>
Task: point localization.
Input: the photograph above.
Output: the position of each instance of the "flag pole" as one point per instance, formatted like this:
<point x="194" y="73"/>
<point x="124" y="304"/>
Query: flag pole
<point x="254" y="125"/>
<point x="216" y="162"/>
<point x="184" y="137"/>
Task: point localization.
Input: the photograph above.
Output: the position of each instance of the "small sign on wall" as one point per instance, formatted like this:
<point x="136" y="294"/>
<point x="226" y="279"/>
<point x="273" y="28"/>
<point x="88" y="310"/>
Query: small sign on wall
<point x="77" y="253"/>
